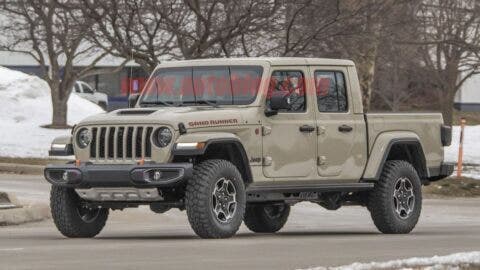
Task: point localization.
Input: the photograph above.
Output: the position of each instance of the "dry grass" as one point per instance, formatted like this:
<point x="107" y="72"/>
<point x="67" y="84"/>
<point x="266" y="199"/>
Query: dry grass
<point x="453" y="187"/>
<point x="473" y="118"/>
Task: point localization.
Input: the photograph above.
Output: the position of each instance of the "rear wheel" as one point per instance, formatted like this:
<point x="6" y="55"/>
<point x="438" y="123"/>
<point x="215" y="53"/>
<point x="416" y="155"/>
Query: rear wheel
<point x="72" y="218"/>
<point x="266" y="218"/>
<point x="215" y="199"/>
<point x="396" y="200"/>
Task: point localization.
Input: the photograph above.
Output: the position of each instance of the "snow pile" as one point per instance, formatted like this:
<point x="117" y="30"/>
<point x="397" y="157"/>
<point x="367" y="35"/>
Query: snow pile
<point x="25" y="105"/>
<point x="471" y="145"/>
<point x="471" y="150"/>
<point x="470" y="260"/>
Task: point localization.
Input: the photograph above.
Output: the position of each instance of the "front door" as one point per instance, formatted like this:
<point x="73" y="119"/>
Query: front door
<point x="289" y="138"/>
<point x="341" y="133"/>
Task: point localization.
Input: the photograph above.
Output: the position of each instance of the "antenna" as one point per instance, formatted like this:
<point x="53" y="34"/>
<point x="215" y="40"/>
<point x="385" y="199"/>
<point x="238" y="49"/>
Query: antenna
<point x="131" y="74"/>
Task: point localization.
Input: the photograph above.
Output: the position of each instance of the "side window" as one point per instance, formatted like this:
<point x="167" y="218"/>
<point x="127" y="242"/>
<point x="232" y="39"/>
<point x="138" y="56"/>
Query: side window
<point x="87" y="89"/>
<point x="331" y="91"/>
<point x="77" y="88"/>
<point x="293" y="82"/>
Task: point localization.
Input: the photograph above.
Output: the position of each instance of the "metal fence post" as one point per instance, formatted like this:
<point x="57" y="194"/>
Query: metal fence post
<point x="460" y="148"/>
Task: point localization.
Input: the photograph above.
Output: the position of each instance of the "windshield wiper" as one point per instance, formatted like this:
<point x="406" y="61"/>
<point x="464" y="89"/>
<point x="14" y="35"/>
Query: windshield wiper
<point x="212" y="103"/>
<point x="158" y="102"/>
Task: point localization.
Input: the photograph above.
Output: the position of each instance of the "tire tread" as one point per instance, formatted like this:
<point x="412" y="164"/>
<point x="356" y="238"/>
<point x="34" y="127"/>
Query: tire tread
<point x="63" y="208"/>
<point x="198" y="194"/>
<point x="379" y="199"/>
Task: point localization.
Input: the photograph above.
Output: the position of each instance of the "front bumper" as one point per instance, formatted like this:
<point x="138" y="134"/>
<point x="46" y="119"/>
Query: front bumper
<point x="89" y="175"/>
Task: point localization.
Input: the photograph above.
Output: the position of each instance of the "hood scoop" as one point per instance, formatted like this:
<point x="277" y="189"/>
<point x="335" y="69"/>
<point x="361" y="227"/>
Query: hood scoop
<point x="135" y="112"/>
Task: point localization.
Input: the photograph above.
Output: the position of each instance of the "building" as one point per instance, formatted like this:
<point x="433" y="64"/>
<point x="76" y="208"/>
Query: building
<point x="467" y="99"/>
<point x="130" y="79"/>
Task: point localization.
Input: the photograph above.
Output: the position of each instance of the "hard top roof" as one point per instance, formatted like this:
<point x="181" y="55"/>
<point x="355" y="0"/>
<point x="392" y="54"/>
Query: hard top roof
<point x="273" y="61"/>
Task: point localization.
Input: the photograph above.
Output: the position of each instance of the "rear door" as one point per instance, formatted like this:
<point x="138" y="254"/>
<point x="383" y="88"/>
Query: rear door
<point x="340" y="133"/>
<point x="289" y="137"/>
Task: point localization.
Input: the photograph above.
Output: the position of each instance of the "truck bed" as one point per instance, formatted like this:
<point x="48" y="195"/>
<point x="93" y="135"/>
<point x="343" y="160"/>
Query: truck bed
<point x="425" y="126"/>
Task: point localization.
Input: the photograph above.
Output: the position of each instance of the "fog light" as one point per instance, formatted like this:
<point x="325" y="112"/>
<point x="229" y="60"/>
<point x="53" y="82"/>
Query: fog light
<point x="152" y="175"/>
<point x="157" y="175"/>
<point x="65" y="176"/>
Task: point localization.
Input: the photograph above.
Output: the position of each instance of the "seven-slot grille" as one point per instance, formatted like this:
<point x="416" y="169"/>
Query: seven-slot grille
<point x="121" y="143"/>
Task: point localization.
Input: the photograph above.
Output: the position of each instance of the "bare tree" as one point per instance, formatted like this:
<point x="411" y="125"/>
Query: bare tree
<point x="53" y="35"/>
<point x="450" y="43"/>
<point x="398" y="68"/>
<point x="397" y="80"/>
<point x="370" y="23"/>
<point x="207" y="28"/>
<point x="132" y="29"/>
<point x="150" y="31"/>
<point x="334" y="28"/>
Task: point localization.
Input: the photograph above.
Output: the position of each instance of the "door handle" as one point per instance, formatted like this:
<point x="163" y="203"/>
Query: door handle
<point x="307" y="128"/>
<point x="345" y="128"/>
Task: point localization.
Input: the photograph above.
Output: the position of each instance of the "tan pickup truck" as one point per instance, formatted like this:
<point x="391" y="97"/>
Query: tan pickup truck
<point x="232" y="140"/>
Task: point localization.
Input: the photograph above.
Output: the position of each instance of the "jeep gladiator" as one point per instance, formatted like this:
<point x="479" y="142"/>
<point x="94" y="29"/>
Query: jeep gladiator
<point x="242" y="140"/>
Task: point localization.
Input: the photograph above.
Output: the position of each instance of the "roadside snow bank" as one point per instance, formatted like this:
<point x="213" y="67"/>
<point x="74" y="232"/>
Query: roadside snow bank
<point x="471" y="145"/>
<point x="25" y="105"/>
<point x="453" y="261"/>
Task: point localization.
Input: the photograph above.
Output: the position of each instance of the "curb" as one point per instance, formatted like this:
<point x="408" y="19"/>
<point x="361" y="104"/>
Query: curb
<point x="13" y="214"/>
<point x="21" y="168"/>
<point x="30" y="213"/>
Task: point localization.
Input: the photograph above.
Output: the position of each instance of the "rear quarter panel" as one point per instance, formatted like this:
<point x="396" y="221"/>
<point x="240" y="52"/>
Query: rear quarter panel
<point x="384" y="127"/>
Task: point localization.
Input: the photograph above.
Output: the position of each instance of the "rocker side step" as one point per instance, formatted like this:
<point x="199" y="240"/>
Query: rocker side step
<point x="315" y="187"/>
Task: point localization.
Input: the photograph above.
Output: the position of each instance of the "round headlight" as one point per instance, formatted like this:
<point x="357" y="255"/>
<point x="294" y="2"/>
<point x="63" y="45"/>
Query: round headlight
<point x="163" y="136"/>
<point x="84" y="138"/>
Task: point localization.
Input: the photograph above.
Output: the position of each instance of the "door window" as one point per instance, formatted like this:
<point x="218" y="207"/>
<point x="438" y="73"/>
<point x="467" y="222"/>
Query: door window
<point x="293" y="82"/>
<point x="331" y="91"/>
<point x="87" y="89"/>
<point x="77" y="88"/>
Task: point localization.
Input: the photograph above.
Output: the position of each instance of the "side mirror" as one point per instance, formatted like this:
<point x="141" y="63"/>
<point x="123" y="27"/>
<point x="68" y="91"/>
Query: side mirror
<point x="279" y="100"/>
<point x="132" y="100"/>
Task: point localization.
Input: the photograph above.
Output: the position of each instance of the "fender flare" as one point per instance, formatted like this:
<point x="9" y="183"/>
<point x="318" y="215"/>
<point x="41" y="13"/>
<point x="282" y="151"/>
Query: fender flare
<point x="381" y="150"/>
<point x="210" y="139"/>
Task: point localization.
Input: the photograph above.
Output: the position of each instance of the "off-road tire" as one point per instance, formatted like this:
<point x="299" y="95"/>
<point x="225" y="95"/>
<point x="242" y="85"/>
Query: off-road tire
<point x="64" y="204"/>
<point x="381" y="203"/>
<point x="199" y="204"/>
<point x="258" y="219"/>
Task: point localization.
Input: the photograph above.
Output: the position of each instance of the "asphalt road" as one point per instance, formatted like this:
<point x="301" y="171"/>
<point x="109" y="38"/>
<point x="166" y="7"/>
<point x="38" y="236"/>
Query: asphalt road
<point x="139" y="239"/>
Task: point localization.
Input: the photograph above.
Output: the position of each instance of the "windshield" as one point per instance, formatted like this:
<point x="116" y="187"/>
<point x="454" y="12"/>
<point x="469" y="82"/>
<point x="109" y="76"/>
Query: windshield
<point x="216" y="85"/>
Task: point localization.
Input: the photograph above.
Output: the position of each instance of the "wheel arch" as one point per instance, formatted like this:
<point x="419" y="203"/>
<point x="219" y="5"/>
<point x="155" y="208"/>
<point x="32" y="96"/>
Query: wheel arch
<point x="393" y="147"/>
<point x="218" y="146"/>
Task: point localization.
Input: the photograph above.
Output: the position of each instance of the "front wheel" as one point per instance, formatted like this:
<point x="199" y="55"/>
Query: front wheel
<point x="396" y="200"/>
<point x="266" y="218"/>
<point x="215" y="199"/>
<point x="72" y="218"/>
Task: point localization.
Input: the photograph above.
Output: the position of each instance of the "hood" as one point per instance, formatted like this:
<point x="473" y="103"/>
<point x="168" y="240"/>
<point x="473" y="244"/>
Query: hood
<point x="191" y="117"/>
<point x="101" y="95"/>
